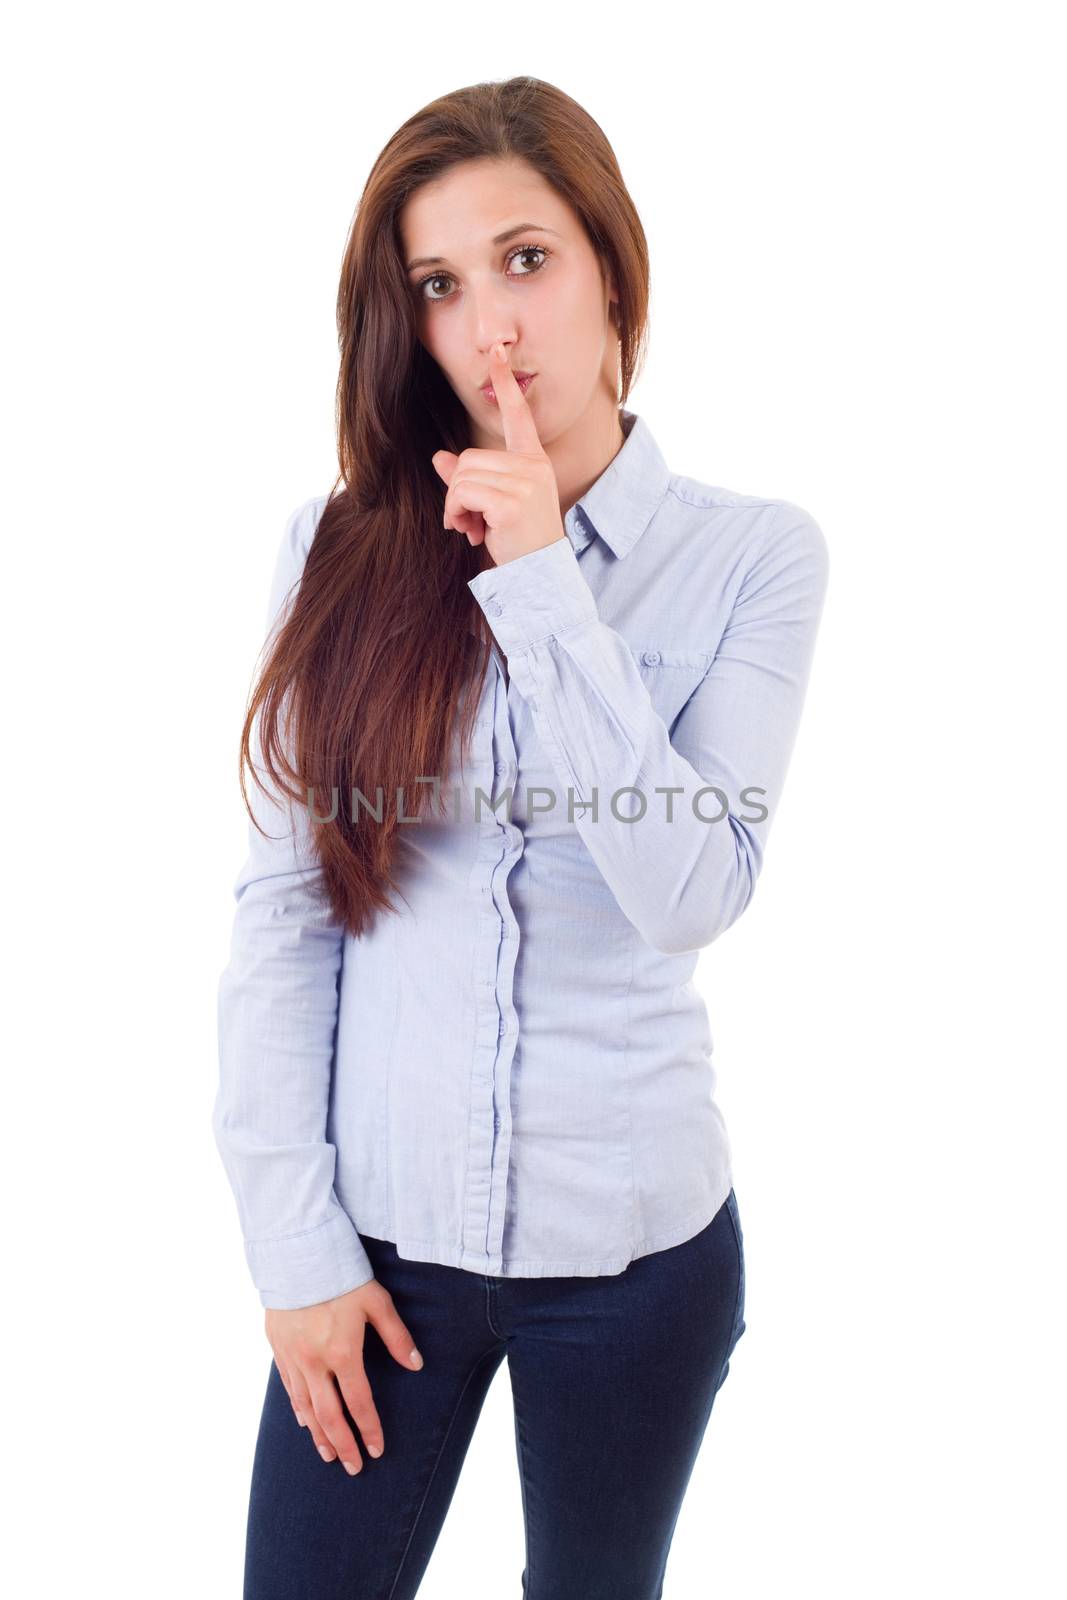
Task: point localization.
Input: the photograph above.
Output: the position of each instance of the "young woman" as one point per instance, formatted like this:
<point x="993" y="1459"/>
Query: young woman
<point x="522" y="727"/>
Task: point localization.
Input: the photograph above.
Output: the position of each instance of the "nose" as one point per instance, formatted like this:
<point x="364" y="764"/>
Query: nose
<point x="492" y="317"/>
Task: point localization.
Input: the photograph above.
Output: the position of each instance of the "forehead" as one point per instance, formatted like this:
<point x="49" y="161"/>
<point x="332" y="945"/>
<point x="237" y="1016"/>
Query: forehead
<point x="476" y="200"/>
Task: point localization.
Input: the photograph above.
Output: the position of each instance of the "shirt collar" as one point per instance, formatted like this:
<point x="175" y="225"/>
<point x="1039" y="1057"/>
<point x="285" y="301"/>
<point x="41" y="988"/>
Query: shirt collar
<point x="622" y="502"/>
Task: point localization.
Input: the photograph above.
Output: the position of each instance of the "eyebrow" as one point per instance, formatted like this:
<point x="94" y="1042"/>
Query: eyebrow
<point x="501" y="238"/>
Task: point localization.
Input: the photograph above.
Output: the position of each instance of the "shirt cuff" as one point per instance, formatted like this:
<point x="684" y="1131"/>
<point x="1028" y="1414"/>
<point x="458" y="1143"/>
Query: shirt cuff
<point x="304" y="1269"/>
<point x="535" y="596"/>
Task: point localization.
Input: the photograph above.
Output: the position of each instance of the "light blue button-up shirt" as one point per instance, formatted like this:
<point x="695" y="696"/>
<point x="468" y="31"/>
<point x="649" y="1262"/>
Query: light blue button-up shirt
<point x="513" y="1073"/>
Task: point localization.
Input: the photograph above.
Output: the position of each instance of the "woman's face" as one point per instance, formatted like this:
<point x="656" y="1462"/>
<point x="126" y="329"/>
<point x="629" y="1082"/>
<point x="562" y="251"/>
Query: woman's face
<point x="540" y="291"/>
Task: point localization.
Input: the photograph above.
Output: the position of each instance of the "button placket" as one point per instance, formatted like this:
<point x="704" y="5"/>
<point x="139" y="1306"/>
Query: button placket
<point x="480" y="1137"/>
<point x="492" y="1111"/>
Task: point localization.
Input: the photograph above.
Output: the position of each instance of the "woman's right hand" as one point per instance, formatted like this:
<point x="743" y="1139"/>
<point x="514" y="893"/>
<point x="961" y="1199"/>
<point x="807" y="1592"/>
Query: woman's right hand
<point x="316" y="1344"/>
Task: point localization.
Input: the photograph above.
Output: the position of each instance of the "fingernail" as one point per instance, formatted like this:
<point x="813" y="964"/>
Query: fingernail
<point x="327" y="1455"/>
<point x="300" y="1418"/>
<point x="375" y="1450"/>
<point x="415" y="1359"/>
<point x="351" y="1468"/>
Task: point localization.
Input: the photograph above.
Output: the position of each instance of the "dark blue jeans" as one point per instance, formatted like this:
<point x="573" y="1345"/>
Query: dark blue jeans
<point x="612" y="1379"/>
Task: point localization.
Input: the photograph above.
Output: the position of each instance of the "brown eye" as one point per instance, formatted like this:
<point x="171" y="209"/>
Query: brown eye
<point x="437" y="278"/>
<point x="531" y="250"/>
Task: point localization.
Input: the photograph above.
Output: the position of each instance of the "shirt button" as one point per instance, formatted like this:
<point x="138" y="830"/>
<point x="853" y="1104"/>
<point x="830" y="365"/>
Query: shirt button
<point x="495" y="608"/>
<point x="501" y="766"/>
<point x="502" y="1029"/>
<point x="651" y="658"/>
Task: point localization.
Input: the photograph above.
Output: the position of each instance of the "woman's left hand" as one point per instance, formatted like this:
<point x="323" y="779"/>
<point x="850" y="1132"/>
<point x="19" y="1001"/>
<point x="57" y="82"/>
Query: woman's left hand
<point x="507" y="498"/>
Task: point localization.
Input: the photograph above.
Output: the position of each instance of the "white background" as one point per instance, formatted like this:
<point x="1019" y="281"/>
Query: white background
<point x="853" y="214"/>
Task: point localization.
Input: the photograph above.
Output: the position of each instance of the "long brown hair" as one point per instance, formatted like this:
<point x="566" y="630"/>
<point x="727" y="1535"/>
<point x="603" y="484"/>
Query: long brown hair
<point x="376" y="664"/>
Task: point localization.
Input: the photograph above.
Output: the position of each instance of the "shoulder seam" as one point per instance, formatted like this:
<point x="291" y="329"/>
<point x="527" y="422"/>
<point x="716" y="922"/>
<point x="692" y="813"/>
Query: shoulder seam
<point x="745" y="503"/>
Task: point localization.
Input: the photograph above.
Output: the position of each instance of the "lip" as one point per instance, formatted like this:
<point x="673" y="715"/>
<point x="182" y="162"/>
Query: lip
<point x="524" y="380"/>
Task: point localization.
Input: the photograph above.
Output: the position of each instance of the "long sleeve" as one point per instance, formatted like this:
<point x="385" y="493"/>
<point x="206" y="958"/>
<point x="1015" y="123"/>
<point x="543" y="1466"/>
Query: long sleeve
<point x="680" y="877"/>
<point x="277" y="1015"/>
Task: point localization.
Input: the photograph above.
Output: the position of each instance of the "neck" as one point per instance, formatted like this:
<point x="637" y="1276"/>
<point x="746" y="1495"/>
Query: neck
<point x="583" y="452"/>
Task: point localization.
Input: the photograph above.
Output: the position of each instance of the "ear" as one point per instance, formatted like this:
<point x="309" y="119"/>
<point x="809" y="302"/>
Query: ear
<point x="607" y="279"/>
<point x="613" y="295"/>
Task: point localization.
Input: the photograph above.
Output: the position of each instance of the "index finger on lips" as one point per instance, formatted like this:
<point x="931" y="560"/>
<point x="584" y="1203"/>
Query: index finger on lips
<point x="520" y="429"/>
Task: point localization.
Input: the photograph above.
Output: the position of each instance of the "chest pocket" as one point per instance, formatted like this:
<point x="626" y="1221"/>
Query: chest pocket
<point x="671" y="676"/>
